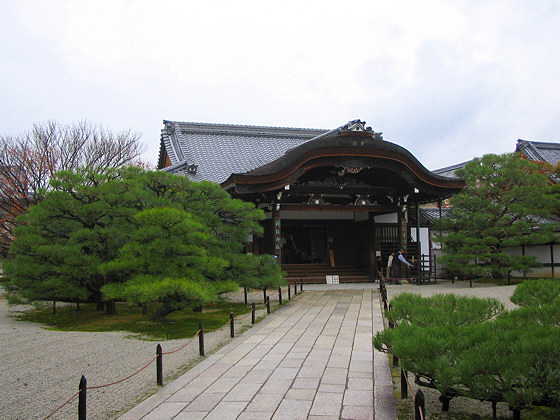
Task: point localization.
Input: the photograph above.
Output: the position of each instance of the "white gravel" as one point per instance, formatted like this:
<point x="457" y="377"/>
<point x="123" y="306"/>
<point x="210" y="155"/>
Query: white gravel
<point x="41" y="369"/>
<point x="461" y="288"/>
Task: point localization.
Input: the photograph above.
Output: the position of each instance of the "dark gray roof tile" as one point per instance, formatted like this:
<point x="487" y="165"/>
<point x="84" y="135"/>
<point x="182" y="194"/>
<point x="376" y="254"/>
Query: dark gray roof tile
<point x="240" y="148"/>
<point x="539" y="151"/>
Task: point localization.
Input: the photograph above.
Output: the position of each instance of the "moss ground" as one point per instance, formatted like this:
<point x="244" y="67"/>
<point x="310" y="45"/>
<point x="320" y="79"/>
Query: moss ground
<point x="180" y="324"/>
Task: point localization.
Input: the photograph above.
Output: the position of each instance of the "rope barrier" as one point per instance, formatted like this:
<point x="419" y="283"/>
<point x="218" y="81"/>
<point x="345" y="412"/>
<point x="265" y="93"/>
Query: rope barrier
<point x="147" y="364"/>
<point x="67" y="401"/>
<point x="410" y="388"/>
<point x="243" y="317"/>
<point x="123" y="379"/>
<point x="216" y="329"/>
<point x="182" y="347"/>
<point x="414" y="397"/>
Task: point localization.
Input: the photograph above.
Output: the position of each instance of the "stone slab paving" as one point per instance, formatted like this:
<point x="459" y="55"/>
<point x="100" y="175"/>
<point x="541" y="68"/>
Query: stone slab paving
<point x="312" y="359"/>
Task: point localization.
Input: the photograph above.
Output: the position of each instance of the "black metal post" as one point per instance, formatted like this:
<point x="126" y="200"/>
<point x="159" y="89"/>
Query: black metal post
<point x="159" y="365"/>
<point x="419" y="402"/>
<point x="267" y="305"/>
<point x="253" y="313"/>
<point x="289" y="292"/>
<point x="245" y="293"/>
<point x="280" y="295"/>
<point x="301" y="285"/>
<point x="82" y="399"/>
<point x="231" y="325"/>
<point x="201" y="339"/>
<point x="404" y="388"/>
<point x="295" y="289"/>
<point x="264" y="295"/>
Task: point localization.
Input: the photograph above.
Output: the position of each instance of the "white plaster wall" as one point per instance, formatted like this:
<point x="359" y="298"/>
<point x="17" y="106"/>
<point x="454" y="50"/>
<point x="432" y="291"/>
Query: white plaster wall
<point x="424" y="239"/>
<point x="387" y="218"/>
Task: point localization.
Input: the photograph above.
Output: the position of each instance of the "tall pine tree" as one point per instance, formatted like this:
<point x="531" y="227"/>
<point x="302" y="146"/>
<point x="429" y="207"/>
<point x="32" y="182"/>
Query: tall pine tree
<point x="506" y="203"/>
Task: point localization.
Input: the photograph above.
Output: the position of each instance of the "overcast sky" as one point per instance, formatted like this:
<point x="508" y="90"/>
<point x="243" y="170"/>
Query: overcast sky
<point x="448" y="80"/>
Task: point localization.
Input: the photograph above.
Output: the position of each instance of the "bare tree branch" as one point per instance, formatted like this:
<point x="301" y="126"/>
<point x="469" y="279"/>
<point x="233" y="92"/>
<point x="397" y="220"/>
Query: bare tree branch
<point x="28" y="162"/>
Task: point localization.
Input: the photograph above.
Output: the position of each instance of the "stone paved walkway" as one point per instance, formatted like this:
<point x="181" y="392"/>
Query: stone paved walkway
<point x="312" y="359"/>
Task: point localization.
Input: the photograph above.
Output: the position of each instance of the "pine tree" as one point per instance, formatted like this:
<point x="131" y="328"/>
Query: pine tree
<point x="135" y="234"/>
<point x="506" y="203"/>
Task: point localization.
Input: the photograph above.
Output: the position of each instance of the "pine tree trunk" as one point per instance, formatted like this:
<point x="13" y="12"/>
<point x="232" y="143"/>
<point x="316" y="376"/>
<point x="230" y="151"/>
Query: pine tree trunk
<point x="111" y="307"/>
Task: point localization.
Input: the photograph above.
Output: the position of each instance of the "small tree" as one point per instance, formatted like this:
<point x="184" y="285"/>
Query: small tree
<point x="506" y="203"/>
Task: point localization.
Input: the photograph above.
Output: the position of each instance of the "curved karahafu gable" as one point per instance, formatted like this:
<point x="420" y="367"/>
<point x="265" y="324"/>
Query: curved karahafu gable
<point x="352" y="148"/>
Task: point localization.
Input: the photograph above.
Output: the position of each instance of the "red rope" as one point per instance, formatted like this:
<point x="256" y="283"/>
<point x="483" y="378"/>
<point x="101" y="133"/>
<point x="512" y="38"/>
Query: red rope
<point x="145" y="366"/>
<point x="243" y="317"/>
<point x="182" y="347"/>
<point x="124" y="379"/>
<point x="67" y="401"/>
<point x="409" y="387"/>
<point x="219" y="328"/>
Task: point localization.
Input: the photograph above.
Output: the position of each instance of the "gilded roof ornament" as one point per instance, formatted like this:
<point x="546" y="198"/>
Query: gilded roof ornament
<point x="359" y="127"/>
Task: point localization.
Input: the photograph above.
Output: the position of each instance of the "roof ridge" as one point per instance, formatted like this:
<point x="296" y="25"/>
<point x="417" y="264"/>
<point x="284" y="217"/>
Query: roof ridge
<point x="540" y="143"/>
<point x="241" y="128"/>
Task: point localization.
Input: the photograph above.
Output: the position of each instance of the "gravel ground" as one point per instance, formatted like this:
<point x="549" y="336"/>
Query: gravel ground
<point x="41" y="369"/>
<point x="461" y="288"/>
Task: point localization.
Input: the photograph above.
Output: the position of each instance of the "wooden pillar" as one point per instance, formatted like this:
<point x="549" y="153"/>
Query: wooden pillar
<point x="403" y="227"/>
<point x="277" y="234"/>
<point x="372" y="245"/>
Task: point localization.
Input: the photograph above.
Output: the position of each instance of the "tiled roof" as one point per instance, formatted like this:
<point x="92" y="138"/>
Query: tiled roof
<point x="218" y="150"/>
<point x="539" y="151"/>
<point x="449" y="171"/>
<point x="429" y="215"/>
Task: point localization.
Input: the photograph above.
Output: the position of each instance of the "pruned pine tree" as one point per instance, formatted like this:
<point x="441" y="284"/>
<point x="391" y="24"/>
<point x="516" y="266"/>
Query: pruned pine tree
<point x="167" y="260"/>
<point x="81" y="223"/>
<point x="179" y="241"/>
<point x="506" y="203"/>
<point x="471" y="347"/>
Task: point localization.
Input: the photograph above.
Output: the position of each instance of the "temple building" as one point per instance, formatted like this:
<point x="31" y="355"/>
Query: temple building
<point x="337" y="202"/>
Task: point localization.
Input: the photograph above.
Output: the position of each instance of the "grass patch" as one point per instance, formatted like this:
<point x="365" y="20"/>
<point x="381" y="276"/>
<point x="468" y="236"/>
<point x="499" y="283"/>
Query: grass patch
<point x="180" y="324"/>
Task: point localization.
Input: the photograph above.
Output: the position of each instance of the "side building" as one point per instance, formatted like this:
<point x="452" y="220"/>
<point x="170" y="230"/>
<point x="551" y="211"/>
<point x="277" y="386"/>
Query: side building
<point x="337" y="202"/>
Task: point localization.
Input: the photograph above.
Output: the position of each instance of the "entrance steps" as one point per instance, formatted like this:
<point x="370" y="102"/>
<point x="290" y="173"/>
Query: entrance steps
<point x="316" y="273"/>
